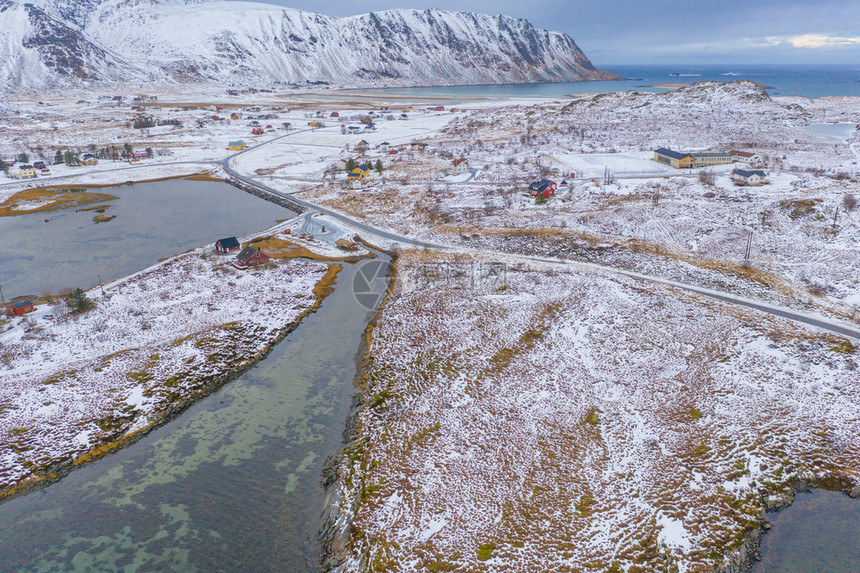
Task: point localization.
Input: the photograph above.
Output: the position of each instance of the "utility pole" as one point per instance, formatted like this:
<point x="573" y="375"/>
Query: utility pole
<point x="749" y="248"/>
<point x="100" y="285"/>
<point x="835" y="215"/>
<point x="2" y="299"/>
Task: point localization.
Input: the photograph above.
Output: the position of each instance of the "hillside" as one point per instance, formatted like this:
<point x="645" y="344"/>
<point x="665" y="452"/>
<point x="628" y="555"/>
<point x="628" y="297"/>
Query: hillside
<point x="57" y="44"/>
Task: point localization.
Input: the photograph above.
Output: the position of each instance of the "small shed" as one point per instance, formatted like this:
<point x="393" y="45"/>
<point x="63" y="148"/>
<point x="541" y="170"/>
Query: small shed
<point x="227" y="245"/>
<point x="250" y="257"/>
<point x="19" y="308"/>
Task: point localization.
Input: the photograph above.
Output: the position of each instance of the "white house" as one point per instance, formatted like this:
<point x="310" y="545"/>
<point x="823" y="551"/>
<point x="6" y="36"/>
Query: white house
<point x="745" y="156"/>
<point x="459" y="166"/>
<point x="744" y="177"/>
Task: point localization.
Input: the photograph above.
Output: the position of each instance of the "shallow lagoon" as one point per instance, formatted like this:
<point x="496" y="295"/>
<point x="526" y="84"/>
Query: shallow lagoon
<point x="233" y="484"/>
<point x="153" y="221"/>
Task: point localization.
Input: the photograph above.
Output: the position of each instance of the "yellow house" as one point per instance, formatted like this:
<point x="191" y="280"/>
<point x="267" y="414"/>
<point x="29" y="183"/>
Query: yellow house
<point x="691" y="160"/>
<point x="673" y="158"/>
<point x="25" y="172"/>
<point x="237" y="145"/>
<point x="356" y="174"/>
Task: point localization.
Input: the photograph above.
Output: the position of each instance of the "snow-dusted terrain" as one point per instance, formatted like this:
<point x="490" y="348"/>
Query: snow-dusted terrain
<point x="539" y="416"/>
<point x="647" y="217"/>
<point x="543" y="418"/>
<point x="49" y="43"/>
<point x="153" y="342"/>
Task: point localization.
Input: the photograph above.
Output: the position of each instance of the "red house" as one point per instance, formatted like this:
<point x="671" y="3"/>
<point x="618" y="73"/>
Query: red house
<point x="250" y="257"/>
<point x="227" y="245"/>
<point x="543" y="187"/>
<point x="19" y="308"/>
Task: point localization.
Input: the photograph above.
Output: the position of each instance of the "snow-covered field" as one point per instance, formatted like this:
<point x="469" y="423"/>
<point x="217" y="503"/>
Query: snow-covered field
<point x="541" y="419"/>
<point x="649" y="217"/>
<point x="553" y="418"/>
<point x="153" y="341"/>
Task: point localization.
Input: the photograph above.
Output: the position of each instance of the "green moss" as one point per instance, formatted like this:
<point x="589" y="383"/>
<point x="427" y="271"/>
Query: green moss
<point x="695" y="413"/>
<point x="796" y="208"/>
<point x="584" y="504"/>
<point x="485" y="551"/>
<point x="140" y="376"/>
<point x="701" y="449"/>
<point x="844" y="346"/>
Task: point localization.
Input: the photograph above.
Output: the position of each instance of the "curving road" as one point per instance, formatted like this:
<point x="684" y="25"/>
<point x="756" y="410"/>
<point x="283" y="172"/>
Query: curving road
<point x="822" y="323"/>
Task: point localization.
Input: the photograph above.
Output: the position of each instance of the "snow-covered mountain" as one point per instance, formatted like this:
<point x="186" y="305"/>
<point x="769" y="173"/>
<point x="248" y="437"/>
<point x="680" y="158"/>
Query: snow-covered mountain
<point x="38" y="50"/>
<point x="60" y="42"/>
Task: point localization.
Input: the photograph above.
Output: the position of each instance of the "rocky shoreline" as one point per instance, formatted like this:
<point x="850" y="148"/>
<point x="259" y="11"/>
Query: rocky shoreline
<point x="745" y="557"/>
<point x="334" y="531"/>
<point x="266" y="196"/>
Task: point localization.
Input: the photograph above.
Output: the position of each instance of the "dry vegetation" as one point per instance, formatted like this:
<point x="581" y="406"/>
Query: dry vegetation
<point x="564" y="421"/>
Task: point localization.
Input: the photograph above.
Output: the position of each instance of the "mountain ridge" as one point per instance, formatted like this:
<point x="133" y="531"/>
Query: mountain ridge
<point x="246" y="43"/>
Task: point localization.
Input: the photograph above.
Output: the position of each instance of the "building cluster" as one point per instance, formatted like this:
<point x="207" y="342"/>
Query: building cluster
<point x="28" y="171"/>
<point x="741" y="176"/>
<point x="681" y="160"/>
<point x="247" y="257"/>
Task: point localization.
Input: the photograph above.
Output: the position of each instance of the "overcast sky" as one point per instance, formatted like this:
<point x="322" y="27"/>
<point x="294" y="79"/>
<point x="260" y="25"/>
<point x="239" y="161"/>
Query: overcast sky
<point x="662" y="31"/>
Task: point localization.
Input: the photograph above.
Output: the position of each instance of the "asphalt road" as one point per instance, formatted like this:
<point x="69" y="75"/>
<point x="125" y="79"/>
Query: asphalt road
<point x="816" y="321"/>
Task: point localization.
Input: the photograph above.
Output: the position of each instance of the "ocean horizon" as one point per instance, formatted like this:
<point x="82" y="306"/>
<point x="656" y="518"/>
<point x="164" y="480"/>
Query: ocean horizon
<point x="807" y="80"/>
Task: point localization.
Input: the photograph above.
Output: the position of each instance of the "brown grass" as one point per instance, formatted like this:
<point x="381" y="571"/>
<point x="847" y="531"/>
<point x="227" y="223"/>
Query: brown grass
<point x="60" y="198"/>
<point x="283" y="249"/>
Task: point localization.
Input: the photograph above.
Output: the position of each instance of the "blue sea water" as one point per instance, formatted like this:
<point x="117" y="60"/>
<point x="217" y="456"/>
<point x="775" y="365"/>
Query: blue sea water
<point x="803" y="80"/>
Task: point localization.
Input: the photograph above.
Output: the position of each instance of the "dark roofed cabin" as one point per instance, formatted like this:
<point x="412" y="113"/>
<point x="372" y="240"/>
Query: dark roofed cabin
<point x="250" y="257"/>
<point x="543" y="187"/>
<point x="227" y="245"/>
<point x="19" y="308"/>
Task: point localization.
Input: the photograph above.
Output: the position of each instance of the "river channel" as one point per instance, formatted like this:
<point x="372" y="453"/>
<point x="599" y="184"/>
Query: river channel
<point x="234" y="483"/>
<point x="153" y="220"/>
